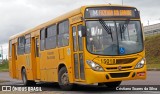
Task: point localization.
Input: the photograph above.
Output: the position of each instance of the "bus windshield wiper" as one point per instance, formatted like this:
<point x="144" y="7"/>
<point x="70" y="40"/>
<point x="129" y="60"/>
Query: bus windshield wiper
<point x="106" y="27"/>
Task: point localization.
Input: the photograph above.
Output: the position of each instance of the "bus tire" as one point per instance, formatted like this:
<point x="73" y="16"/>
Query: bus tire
<point x="26" y="82"/>
<point x="112" y="84"/>
<point x="63" y="79"/>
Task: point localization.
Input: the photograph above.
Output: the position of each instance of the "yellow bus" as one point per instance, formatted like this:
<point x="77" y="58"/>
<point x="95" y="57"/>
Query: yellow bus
<point x="93" y="44"/>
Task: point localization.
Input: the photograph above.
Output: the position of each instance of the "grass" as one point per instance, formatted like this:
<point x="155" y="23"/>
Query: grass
<point x="153" y="66"/>
<point x="4" y="66"/>
<point x="152" y="47"/>
<point x="2" y="81"/>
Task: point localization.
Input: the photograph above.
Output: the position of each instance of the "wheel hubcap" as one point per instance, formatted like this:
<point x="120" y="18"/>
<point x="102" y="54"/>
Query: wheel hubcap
<point x="64" y="79"/>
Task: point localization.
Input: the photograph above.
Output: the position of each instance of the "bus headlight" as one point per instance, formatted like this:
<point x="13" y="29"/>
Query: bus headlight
<point x="94" y="66"/>
<point x="140" y="64"/>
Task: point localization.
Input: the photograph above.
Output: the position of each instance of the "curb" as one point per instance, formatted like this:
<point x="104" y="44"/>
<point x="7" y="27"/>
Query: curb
<point x="153" y="69"/>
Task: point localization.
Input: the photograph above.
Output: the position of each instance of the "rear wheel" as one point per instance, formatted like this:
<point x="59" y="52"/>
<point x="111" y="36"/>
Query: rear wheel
<point x="63" y="79"/>
<point x="112" y="84"/>
<point x="26" y="82"/>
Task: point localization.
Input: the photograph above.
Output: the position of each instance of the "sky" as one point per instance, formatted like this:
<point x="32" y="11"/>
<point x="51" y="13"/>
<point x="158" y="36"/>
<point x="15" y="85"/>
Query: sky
<point x="20" y="15"/>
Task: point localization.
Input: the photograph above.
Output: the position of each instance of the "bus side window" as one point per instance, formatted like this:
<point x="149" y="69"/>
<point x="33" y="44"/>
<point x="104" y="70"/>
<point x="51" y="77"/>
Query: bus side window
<point x="37" y="48"/>
<point x="20" y="47"/>
<point x="27" y="43"/>
<point x="42" y="39"/>
<point x="51" y="38"/>
<point x="63" y="35"/>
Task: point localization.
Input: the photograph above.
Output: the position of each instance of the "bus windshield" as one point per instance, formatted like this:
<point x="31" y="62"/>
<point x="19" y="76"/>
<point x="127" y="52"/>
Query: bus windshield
<point x="114" y="37"/>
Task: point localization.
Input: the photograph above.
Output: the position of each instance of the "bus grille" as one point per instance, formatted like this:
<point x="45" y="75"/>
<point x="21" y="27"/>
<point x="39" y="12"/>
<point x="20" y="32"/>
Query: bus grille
<point x="125" y="61"/>
<point x="119" y="75"/>
<point x="116" y="68"/>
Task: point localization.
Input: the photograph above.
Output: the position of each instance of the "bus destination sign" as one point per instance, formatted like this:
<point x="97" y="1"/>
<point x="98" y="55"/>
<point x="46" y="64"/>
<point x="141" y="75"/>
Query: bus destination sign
<point x="95" y="13"/>
<point x="110" y="12"/>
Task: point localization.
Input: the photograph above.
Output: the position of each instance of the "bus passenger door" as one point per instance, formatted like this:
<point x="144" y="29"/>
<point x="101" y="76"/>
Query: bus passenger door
<point x="16" y="59"/>
<point x="78" y="52"/>
<point x="37" y="57"/>
<point x="13" y="62"/>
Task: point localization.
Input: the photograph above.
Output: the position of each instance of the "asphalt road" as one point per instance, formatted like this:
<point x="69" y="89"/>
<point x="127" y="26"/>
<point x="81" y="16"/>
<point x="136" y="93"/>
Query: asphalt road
<point x="153" y="78"/>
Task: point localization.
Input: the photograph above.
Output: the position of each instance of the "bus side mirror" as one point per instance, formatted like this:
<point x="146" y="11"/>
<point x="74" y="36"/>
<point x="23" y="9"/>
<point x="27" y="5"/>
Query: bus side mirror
<point x="83" y="30"/>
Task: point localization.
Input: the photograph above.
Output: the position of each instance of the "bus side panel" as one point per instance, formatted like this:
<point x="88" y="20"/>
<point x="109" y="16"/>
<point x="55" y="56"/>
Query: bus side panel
<point x="52" y="63"/>
<point x="50" y="75"/>
<point x="19" y="64"/>
<point x="69" y="63"/>
<point x="24" y="61"/>
<point x="43" y="75"/>
<point x="43" y="63"/>
<point x="29" y="67"/>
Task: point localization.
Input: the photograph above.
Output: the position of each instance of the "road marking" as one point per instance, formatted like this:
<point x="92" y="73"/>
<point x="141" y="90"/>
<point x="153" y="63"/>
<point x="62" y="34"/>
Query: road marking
<point x="151" y="92"/>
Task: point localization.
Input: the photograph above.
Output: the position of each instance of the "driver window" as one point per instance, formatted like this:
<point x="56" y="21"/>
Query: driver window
<point x="128" y="32"/>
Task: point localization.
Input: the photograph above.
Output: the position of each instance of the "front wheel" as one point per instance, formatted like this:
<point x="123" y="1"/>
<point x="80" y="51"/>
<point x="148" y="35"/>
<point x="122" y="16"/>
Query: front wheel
<point x="63" y="79"/>
<point x="112" y="84"/>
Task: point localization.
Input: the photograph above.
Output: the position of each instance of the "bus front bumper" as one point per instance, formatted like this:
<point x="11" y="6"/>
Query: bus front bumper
<point x="100" y="77"/>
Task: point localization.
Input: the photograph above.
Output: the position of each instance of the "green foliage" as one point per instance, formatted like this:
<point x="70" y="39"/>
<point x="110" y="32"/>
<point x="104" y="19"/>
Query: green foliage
<point x="152" y="47"/>
<point x="153" y="66"/>
<point x="4" y="66"/>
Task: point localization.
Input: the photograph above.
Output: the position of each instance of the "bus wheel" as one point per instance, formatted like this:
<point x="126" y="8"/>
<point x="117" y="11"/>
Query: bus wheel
<point x="26" y="82"/>
<point x="63" y="79"/>
<point x="112" y="84"/>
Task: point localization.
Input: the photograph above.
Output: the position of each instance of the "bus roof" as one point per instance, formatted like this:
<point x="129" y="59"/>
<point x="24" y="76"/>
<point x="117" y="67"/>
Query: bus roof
<point x="61" y="18"/>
